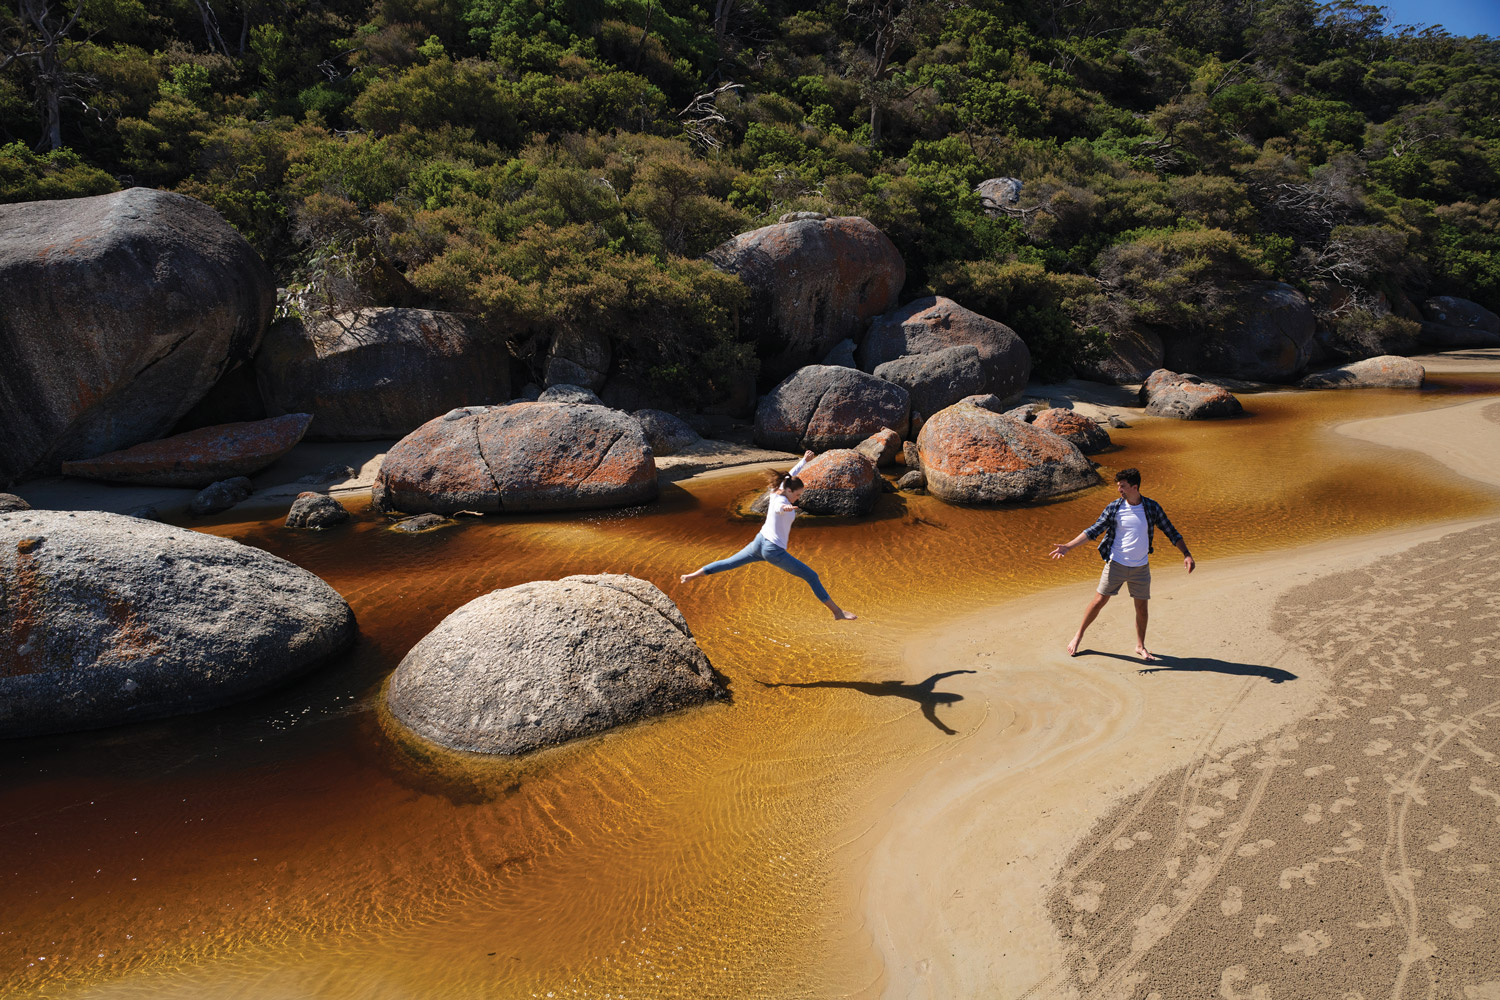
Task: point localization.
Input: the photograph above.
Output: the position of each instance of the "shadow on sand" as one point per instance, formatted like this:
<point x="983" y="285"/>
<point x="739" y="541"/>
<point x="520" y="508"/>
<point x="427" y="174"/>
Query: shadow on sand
<point x="1186" y="664"/>
<point x="922" y="693"/>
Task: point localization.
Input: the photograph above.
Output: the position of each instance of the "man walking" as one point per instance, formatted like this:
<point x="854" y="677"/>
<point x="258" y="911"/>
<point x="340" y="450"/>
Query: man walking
<point x="1128" y="525"/>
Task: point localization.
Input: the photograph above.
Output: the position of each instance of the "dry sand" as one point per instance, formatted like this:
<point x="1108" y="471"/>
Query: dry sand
<point x="1301" y="801"/>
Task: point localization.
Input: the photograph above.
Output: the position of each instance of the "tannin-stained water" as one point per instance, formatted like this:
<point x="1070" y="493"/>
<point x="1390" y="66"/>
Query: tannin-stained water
<point x="297" y="846"/>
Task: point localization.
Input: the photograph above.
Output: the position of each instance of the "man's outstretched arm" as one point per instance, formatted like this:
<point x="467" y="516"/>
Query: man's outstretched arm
<point x="1062" y="549"/>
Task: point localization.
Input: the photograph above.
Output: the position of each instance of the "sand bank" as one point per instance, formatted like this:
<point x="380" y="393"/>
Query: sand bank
<point x="1299" y="801"/>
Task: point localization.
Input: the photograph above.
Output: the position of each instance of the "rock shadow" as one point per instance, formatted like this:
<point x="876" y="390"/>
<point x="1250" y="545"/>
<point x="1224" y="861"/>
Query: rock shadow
<point x="923" y="693"/>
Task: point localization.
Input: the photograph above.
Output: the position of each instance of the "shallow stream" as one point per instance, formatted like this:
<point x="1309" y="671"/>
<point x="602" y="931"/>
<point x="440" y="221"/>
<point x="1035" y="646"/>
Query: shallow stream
<point x="295" y="846"/>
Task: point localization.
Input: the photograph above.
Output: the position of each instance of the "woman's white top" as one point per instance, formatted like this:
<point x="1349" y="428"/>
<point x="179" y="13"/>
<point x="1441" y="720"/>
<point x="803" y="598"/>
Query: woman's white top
<point x="779" y="513"/>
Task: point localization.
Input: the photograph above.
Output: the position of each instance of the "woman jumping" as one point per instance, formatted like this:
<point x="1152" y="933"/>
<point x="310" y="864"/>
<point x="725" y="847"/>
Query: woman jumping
<point x="770" y="544"/>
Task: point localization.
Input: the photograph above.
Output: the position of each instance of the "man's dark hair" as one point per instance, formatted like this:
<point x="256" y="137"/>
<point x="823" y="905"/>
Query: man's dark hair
<point x="1131" y="476"/>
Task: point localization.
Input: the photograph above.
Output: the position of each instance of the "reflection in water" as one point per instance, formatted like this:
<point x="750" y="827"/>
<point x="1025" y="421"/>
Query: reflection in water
<point x="922" y="693"/>
<point x="293" y="846"/>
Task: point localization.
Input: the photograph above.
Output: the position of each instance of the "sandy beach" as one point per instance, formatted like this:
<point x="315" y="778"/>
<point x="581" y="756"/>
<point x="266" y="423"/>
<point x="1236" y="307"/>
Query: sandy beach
<point x="1302" y="799"/>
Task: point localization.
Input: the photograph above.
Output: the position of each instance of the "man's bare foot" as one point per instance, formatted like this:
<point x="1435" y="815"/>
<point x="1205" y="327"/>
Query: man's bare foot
<point x="1073" y="646"/>
<point x="844" y="616"/>
<point x="1145" y="654"/>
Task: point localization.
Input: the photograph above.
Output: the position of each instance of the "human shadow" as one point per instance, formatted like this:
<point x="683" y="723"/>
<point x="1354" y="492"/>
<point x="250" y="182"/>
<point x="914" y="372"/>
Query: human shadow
<point x="922" y="693"/>
<point x="1186" y="664"/>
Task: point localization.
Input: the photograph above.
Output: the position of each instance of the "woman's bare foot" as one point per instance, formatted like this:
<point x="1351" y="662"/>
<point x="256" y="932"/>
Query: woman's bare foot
<point x="1073" y="646"/>
<point x="839" y="614"/>
<point x="1145" y="654"/>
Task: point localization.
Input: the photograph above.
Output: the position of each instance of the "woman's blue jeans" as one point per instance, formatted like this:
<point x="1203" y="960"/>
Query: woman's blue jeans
<point x="762" y="549"/>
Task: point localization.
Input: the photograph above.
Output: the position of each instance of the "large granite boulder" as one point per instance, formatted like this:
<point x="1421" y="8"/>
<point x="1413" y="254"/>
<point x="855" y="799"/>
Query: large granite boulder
<point x="1084" y="432"/>
<point x="197" y="458"/>
<point x="812" y="282"/>
<point x="117" y="313"/>
<point x="519" y="457"/>
<point x="824" y="406"/>
<point x="1269" y="336"/>
<point x="841" y="481"/>
<point x="972" y="455"/>
<point x="379" y="372"/>
<point x="1187" y="397"/>
<point x="1387" y="371"/>
<point x="936" y="323"/>
<point x="10" y="502"/>
<point x="1130" y="356"/>
<point x="542" y="663"/>
<point x="1453" y="322"/>
<point x="938" y="379"/>
<point x="666" y="432"/>
<point x="113" y="619"/>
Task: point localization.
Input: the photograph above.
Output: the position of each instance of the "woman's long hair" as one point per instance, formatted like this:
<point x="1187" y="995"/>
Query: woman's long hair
<point x="782" y="481"/>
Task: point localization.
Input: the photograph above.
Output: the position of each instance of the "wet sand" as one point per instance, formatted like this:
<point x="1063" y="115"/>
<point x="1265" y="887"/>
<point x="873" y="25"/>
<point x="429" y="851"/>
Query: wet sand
<point x="1301" y="800"/>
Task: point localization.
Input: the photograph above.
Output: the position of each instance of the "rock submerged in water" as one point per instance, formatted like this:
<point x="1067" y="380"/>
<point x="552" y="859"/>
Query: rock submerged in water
<point x="1387" y="371"/>
<point x="972" y="455"/>
<point x="1187" y="397"/>
<point x="825" y="406"/>
<point x="119" y="311"/>
<point x="379" y="372"/>
<point x="545" y="662"/>
<point x="198" y="458"/>
<point x="112" y="619"/>
<point x="315" y="512"/>
<point x="519" y="457"/>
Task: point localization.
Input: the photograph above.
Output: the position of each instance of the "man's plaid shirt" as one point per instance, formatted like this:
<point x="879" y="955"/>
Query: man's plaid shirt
<point x="1109" y="520"/>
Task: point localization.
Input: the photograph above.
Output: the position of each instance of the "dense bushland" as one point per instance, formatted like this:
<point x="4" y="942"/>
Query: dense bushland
<point x="558" y="166"/>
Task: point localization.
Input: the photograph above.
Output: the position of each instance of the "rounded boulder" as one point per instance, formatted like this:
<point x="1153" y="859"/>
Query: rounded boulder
<point x="1387" y="372"/>
<point x="380" y="372"/>
<point x="113" y="619"/>
<point x="198" y="458"/>
<point x="1187" y="397"/>
<point x="519" y="457"/>
<point x="545" y="662"/>
<point x="1084" y="432"/>
<point x="842" y="482"/>
<point x="826" y="406"/>
<point x="812" y="282"/>
<point x="666" y="432"/>
<point x="971" y="455"/>
<point x="938" y="379"/>
<point x="936" y="323"/>
<point x="1269" y="336"/>
<point x="117" y="314"/>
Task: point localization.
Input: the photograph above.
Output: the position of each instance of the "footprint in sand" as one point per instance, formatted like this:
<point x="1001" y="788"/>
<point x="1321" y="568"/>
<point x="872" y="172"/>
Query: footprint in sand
<point x="1483" y="991"/>
<point x="1308" y="943"/>
<point x="1251" y="850"/>
<point x="1087" y="899"/>
<point x="1264" y="922"/>
<point x="1377" y="748"/>
<point x="1313" y="772"/>
<point x="1447" y="839"/>
<point x="1313" y="814"/>
<point x="1464" y="917"/>
<point x="1233" y="901"/>
<point x="1229" y="982"/>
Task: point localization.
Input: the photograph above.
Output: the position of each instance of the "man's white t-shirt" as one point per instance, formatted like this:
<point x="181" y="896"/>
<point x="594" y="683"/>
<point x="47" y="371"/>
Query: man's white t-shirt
<point x="1132" y="542"/>
<point x="779" y="513"/>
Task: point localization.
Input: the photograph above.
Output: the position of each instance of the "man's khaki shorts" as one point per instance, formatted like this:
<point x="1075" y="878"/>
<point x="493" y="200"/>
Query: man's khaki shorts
<point x="1115" y="574"/>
